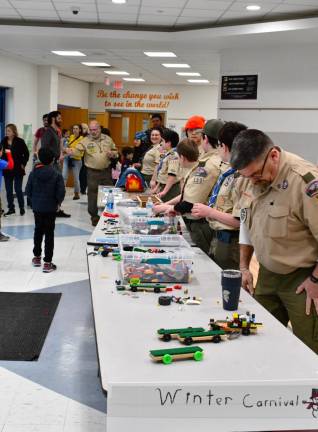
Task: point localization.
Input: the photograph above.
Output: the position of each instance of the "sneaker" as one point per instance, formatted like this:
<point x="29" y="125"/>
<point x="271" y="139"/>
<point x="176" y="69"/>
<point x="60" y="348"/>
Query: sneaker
<point x="95" y="220"/>
<point x="76" y="196"/>
<point x="36" y="261"/>
<point x="22" y="212"/>
<point x="61" y="213"/>
<point x="9" y="212"/>
<point x="48" y="267"/>
<point x="3" y="237"/>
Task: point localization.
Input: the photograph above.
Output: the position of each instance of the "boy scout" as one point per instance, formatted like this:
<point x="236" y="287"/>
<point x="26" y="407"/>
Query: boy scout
<point x="98" y="150"/>
<point x="221" y="212"/>
<point x="168" y="173"/>
<point x="279" y="208"/>
<point x="151" y="159"/>
<point x="198" y="184"/>
<point x="193" y="129"/>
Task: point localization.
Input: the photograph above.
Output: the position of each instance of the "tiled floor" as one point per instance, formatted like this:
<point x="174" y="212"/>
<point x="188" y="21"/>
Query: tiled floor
<point x="61" y="391"/>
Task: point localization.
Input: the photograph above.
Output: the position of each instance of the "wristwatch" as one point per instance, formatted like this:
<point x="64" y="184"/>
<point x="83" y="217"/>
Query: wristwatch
<point x="313" y="278"/>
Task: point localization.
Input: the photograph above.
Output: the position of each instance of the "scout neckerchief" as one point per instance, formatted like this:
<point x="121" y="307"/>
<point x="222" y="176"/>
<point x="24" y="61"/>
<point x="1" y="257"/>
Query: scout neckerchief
<point x="163" y="158"/>
<point x="218" y="185"/>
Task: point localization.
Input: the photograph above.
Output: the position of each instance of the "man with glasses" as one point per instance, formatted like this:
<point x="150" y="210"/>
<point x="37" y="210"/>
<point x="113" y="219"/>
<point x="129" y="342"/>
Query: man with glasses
<point x="98" y="150"/>
<point x="279" y="221"/>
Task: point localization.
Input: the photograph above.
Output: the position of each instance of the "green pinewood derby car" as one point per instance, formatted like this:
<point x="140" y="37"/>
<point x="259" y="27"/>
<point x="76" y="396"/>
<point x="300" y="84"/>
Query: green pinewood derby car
<point x="189" y="338"/>
<point x="167" y="334"/>
<point x="167" y="356"/>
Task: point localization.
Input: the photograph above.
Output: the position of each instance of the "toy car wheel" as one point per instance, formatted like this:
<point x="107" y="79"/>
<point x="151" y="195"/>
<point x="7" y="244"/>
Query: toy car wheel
<point x="246" y="331"/>
<point x="166" y="337"/>
<point x="156" y="290"/>
<point x="133" y="288"/>
<point x="198" y="355"/>
<point x="216" y="339"/>
<point x="188" y="340"/>
<point x="167" y="359"/>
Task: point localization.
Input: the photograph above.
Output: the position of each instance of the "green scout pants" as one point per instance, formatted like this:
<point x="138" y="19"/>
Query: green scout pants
<point x="147" y="179"/>
<point x="173" y="192"/>
<point x="225" y="249"/>
<point x="94" y="179"/>
<point x="200" y="232"/>
<point x="277" y="293"/>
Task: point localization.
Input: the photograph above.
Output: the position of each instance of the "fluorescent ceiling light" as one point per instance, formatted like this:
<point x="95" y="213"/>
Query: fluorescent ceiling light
<point x="134" y="79"/>
<point x="69" y="53"/>
<point x="188" y="73"/>
<point x="95" y="64"/>
<point x="119" y="1"/>
<point x="175" y="65"/>
<point x="159" y="54"/>
<point x="198" y="81"/>
<point x="116" y="73"/>
<point x="253" y="7"/>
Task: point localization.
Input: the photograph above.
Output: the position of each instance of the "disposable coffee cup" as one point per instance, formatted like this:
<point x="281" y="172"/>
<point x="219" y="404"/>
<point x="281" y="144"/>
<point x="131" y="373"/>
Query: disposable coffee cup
<point x="231" y="281"/>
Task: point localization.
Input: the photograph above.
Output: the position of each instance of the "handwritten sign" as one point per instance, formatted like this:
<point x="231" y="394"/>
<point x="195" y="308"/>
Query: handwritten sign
<point x="134" y="100"/>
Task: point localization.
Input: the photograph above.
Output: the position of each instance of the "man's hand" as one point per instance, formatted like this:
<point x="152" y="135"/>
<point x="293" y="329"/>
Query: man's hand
<point x="152" y="184"/>
<point x="111" y="154"/>
<point x="68" y="151"/>
<point x="161" y="194"/>
<point x="160" y="208"/>
<point x="312" y="294"/>
<point x="61" y="158"/>
<point x="7" y="150"/>
<point x="200" y="210"/>
<point x="247" y="281"/>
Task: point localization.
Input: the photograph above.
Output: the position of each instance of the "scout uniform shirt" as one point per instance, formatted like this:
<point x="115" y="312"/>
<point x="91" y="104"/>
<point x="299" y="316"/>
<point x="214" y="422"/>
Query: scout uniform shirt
<point x="95" y="151"/>
<point x="282" y="218"/>
<point x="227" y="201"/>
<point x="201" y="179"/>
<point x="169" y="165"/>
<point x="151" y="160"/>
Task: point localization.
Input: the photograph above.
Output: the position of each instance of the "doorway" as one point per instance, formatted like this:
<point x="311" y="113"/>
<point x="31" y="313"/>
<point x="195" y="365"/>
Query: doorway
<point x="124" y="124"/>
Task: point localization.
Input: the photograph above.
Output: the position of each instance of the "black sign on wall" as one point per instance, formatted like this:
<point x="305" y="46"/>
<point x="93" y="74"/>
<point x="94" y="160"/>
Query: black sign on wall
<point x="239" y="87"/>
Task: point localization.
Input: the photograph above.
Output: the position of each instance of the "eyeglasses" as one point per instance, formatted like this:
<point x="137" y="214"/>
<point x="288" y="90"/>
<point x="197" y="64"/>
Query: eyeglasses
<point x="259" y="173"/>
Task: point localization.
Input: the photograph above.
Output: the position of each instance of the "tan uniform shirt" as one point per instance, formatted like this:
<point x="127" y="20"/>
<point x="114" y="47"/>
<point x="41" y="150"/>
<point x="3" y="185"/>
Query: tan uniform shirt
<point x="282" y="219"/>
<point x="151" y="160"/>
<point x="169" y="165"/>
<point x="95" y="151"/>
<point x="201" y="179"/>
<point x="227" y="202"/>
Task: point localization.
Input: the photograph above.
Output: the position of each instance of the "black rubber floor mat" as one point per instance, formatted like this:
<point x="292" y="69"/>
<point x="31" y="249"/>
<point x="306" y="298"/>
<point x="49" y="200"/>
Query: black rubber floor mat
<point x="25" y="319"/>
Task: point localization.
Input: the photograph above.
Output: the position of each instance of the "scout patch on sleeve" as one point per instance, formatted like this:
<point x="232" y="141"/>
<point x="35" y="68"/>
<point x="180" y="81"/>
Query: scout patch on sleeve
<point x="200" y="172"/>
<point x="312" y="189"/>
<point x="243" y="215"/>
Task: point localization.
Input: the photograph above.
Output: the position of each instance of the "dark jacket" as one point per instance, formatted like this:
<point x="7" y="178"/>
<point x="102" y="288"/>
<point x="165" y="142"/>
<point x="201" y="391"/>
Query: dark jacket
<point x="45" y="188"/>
<point x="140" y="151"/>
<point x="20" y="156"/>
<point x="50" y="139"/>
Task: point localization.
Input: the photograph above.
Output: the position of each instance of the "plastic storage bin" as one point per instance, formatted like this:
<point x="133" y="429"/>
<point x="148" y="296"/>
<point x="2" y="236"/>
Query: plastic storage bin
<point x="153" y="225"/>
<point x="166" y="258"/>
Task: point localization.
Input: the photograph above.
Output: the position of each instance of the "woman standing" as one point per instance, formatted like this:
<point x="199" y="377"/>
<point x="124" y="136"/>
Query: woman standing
<point x="151" y="159"/>
<point x="20" y="155"/>
<point x="74" y="163"/>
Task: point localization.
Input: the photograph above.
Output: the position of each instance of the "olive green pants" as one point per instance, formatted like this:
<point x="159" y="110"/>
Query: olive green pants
<point x="147" y="179"/>
<point x="94" y="179"/>
<point x="225" y="254"/>
<point x="277" y="293"/>
<point x="200" y="232"/>
<point x="173" y="192"/>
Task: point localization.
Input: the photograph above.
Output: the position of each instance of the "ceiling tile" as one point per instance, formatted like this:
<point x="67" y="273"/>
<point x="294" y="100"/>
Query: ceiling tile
<point x="112" y="8"/>
<point x="165" y="11"/>
<point x="164" y="3"/>
<point x="23" y="5"/>
<point x="151" y="19"/>
<point x="209" y="4"/>
<point x="302" y="2"/>
<point x="241" y="6"/>
<point x="288" y="8"/>
<point x="8" y="12"/>
<point x="204" y="13"/>
<point x="38" y="13"/>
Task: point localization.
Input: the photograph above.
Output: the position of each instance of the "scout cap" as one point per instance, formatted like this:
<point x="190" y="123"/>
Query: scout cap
<point x="195" y="122"/>
<point x="212" y="128"/>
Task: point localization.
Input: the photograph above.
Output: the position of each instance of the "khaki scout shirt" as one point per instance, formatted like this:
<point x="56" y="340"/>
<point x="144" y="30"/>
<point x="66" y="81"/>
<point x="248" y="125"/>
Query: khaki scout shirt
<point x="95" y="151"/>
<point x="201" y="179"/>
<point x="151" y="160"/>
<point x="169" y="165"/>
<point x="227" y="202"/>
<point x="282" y="219"/>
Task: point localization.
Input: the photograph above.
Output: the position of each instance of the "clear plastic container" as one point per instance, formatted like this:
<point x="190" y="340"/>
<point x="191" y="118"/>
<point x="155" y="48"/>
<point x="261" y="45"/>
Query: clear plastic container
<point x="152" y="225"/>
<point x="166" y="259"/>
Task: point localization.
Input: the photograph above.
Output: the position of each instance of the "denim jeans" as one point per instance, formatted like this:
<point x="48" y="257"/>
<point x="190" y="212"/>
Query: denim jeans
<point x="17" y="180"/>
<point x="77" y="165"/>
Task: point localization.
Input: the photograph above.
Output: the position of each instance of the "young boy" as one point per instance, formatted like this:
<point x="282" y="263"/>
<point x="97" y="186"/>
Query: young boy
<point x="168" y="173"/>
<point x="46" y="190"/>
<point x="4" y="164"/>
<point x="127" y="157"/>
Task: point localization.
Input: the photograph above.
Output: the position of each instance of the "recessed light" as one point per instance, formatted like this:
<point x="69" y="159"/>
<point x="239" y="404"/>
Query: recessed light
<point x="69" y="53"/>
<point x="134" y="79"/>
<point x="188" y="73"/>
<point x="95" y="64"/>
<point x="253" y="7"/>
<point x="159" y="54"/>
<point x="119" y="1"/>
<point x="116" y="73"/>
<point x="198" y="81"/>
<point x="176" y="65"/>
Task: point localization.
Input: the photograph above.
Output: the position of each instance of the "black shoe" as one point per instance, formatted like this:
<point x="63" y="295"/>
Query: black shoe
<point x="9" y="212"/>
<point x="61" y="213"/>
<point x="22" y="212"/>
<point x="3" y="237"/>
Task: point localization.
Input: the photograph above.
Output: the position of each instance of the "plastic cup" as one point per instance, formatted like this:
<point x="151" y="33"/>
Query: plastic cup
<point x="231" y="281"/>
